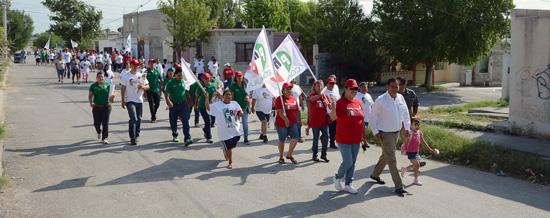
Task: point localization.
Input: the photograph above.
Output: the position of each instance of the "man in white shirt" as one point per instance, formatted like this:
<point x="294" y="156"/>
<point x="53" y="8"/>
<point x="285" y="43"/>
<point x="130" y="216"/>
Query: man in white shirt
<point x="213" y="66"/>
<point x="388" y="114"/>
<point x="367" y="102"/>
<point x="210" y="62"/>
<point x="262" y="102"/>
<point x="334" y="97"/>
<point x="67" y="58"/>
<point x="199" y="67"/>
<point x="118" y="61"/>
<point x="133" y="84"/>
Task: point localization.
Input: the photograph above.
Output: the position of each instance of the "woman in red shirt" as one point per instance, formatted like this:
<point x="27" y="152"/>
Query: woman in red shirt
<point x="319" y="108"/>
<point x="227" y="76"/>
<point x="350" y="131"/>
<point x="287" y="122"/>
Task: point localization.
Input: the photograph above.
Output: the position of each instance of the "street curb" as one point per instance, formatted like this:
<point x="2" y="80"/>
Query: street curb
<point x="3" y="98"/>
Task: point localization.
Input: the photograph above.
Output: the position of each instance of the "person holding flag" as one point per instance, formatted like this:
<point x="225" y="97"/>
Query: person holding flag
<point x="178" y="100"/>
<point x="210" y="88"/>
<point x="153" y="94"/>
<point x="230" y="132"/>
<point x="238" y="91"/>
<point x="287" y="122"/>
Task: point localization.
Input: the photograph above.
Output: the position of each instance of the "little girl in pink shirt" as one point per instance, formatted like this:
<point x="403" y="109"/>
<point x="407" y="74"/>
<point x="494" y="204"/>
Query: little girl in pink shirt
<point x="413" y="146"/>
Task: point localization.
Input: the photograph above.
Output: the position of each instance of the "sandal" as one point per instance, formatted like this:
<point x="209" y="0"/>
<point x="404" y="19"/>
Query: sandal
<point x="291" y="159"/>
<point x="281" y="161"/>
<point x="230" y="166"/>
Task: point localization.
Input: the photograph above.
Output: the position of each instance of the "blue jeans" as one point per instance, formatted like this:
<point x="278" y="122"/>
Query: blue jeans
<point x="179" y="110"/>
<point x="206" y="118"/>
<point x="196" y="110"/>
<point x="227" y="84"/>
<point x="349" y="156"/>
<point x="154" y="102"/>
<point x="283" y="132"/>
<point x="68" y="71"/>
<point x="135" y="111"/>
<point x="324" y="140"/>
<point x="244" y="121"/>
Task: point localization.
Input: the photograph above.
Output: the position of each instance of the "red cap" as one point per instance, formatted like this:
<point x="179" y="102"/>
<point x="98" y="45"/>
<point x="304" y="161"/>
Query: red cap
<point x="134" y="62"/>
<point x="67" y="49"/>
<point x="351" y="83"/>
<point x="177" y="66"/>
<point x="151" y="60"/>
<point x="238" y="73"/>
<point x="206" y="76"/>
<point x="331" y="80"/>
<point x="286" y="85"/>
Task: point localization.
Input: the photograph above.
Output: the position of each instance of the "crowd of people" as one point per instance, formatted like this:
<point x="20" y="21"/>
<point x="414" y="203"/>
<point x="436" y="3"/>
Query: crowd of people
<point x="337" y="118"/>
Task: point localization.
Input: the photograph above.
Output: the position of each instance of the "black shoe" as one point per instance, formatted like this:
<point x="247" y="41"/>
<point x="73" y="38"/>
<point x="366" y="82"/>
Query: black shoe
<point x="315" y="158"/>
<point x="333" y="146"/>
<point x="422" y="163"/>
<point x="378" y="180"/>
<point x="325" y="159"/>
<point x="209" y="141"/>
<point x="265" y="139"/>
<point x="133" y="142"/>
<point x="261" y="136"/>
<point x="401" y="191"/>
<point x="246" y="142"/>
<point x="364" y="147"/>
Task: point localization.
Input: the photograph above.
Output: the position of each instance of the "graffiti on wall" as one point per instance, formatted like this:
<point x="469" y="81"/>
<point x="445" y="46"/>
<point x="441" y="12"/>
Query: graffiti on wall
<point x="543" y="83"/>
<point x="532" y="112"/>
<point x="527" y="84"/>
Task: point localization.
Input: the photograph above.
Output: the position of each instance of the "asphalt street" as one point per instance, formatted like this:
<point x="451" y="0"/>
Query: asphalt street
<point x="61" y="170"/>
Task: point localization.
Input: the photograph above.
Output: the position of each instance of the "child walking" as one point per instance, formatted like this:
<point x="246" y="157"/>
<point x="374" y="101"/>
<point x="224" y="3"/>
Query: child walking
<point x="413" y="147"/>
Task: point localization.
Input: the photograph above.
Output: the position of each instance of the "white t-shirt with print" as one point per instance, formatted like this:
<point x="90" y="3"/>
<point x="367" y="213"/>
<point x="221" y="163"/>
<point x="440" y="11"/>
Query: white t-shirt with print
<point x="85" y="65"/>
<point x="91" y="58"/>
<point x="264" y="100"/>
<point x="199" y="67"/>
<point x="118" y="59"/>
<point x="333" y="95"/>
<point x="367" y="102"/>
<point x="214" y="69"/>
<point x="66" y="57"/>
<point x="296" y="92"/>
<point x="131" y="81"/>
<point x="108" y="76"/>
<point x="229" y="125"/>
<point x="99" y="58"/>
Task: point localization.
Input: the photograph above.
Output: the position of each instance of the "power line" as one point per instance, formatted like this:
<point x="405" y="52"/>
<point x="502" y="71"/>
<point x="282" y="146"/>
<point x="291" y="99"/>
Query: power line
<point x="465" y="18"/>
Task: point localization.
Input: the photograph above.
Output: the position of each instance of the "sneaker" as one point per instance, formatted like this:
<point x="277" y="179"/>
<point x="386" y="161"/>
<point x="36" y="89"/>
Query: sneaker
<point x="105" y="141"/>
<point x="188" y="142"/>
<point x="209" y="141"/>
<point x="261" y="136"/>
<point x="422" y="163"/>
<point x="301" y="140"/>
<point x="417" y="182"/>
<point x="337" y="183"/>
<point x="133" y="142"/>
<point x="401" y="191"/>
<point x="265" y="138"/>
<point x="175" y="139"/>
<point x="246" y="142"/>
<point x="403" y="171"/>
<point x="349" y="188"/>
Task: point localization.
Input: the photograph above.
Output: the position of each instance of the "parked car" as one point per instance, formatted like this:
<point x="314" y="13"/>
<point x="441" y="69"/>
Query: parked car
<point x="17" y="57"/>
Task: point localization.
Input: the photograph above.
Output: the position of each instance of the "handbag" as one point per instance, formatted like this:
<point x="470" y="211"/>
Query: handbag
<point x="327" y="117"/>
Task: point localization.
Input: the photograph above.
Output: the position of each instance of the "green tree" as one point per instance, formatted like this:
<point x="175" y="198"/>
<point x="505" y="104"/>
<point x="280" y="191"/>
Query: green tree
<point x="20" y="28"/>
<point x="349" y="35"/>
<point x="41" y="41"/>
<point x="74" y="20"/>
<point x="187" y="21"/>
<point x="225" y="11"/>
<point x="269" y="13"/>
<point x="430" y="31"/>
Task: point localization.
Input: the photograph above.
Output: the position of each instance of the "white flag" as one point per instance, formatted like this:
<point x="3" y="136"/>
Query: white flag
<point x="129" y="43"/>
<point x="261" y="67"/>
<point x="189" y="77"/>
<point x="74" y="44"/>
<point x="289" y="63"/>
<point x="47" y="46"/>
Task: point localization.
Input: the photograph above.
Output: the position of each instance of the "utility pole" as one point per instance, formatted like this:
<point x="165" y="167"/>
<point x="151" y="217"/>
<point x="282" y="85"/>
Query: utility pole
<point x="5" y="6"/>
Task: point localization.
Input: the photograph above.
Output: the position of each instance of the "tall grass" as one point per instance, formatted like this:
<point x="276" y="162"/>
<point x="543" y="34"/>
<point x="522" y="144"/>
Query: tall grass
<point x="466" y="107"/>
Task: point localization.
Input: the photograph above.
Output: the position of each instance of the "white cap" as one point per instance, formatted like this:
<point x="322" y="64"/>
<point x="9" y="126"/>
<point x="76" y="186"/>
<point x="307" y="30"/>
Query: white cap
<point x="227" y="64"/>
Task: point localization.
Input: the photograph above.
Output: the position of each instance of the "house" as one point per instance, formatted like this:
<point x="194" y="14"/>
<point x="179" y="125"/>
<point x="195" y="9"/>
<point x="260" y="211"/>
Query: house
<point x="148" y="34"/>
<point x="111" y="44"/>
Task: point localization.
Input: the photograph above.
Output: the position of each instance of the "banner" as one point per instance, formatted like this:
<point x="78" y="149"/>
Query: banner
<point x="289" y="63"/>
<point x="129" y="43"/>
<point x="261" y="68"/>
<point x="189" y="77"/>
<point x="74" y="44"/>
<point x="47" y="46"/>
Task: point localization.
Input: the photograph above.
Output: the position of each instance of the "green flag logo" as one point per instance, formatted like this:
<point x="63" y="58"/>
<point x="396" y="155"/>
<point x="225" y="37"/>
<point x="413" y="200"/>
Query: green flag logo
<point x="259" y="52"/>
<point x="285" y="59"/>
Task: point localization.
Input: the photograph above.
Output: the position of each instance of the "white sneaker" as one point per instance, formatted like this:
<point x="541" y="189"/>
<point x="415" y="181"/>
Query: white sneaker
<point x="349" y="188"/>
<point x="105" y="141"/>
<point x="403" y="171"/>
<point x="337" y="183"/>
<point x="417" y="182"/>
<point x="99" y="136"/>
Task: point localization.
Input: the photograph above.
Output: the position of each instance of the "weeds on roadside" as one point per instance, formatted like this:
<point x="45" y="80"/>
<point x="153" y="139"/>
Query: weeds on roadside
<point x="434" y="87"/>
<point x="6" y="182"/>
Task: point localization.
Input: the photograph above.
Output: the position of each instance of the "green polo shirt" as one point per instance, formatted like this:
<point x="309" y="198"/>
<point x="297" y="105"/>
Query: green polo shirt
<point x="210" y="89"/>
<point x="154" y="77"/>
<point x="42" y="54"/>
<point x="176" y="90"/>
<point x="193" y="89"/>
<point x="100" y="93"/>
<point x="239" y="93"/>
<point x="164" y="82"/>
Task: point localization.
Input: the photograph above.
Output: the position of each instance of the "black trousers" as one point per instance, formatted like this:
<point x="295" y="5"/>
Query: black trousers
<point x="332" y="132"/>
<point x="101" y="119"/>
<point x="154" y="102"/>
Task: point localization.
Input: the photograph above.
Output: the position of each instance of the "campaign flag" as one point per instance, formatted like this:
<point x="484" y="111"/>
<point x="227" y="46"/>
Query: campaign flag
<point x="74" y="44"/>
<point x="289" y="63"/>
<point x="189" y="77"/>
<point x="129" y="43"/>
<point x="261" y="67"/>
<point x="47" y="46"/>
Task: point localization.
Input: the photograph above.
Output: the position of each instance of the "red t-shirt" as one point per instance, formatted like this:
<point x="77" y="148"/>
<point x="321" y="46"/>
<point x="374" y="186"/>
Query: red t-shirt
<point x="228" y="73"/>
<point x="318" y="111"/>
<point x="349" y="127"/>
<point x="291" y="106"/>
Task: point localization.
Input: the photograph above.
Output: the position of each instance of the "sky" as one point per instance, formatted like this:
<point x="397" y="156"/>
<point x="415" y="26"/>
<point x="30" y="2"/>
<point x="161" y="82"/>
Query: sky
<point x="114" y="9"/>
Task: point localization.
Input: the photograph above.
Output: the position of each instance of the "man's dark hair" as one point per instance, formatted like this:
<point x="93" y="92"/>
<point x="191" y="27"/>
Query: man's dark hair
<point x="401" y="80"/>
<point x="392" y="80"/>
<point x="178" y="70"/>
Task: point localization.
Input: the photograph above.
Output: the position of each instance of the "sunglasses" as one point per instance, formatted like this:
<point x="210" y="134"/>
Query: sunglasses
<point x="354" y="89"/>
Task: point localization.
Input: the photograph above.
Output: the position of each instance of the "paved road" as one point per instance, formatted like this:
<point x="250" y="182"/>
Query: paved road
<point x="61" y="170"/>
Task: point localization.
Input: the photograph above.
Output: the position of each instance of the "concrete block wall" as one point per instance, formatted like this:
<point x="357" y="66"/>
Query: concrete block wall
<point x="530" y="72"/>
